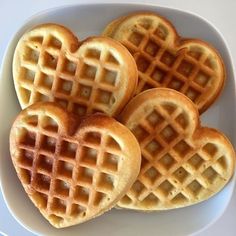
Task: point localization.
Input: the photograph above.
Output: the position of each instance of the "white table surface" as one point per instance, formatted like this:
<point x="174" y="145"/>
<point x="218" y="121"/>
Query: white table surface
<point x="221" y="13"/>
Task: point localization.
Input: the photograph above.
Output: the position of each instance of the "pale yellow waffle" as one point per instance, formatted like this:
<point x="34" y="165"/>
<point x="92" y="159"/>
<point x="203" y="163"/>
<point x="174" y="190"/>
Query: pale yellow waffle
<point x="164" y="59"/>
<point x="72" y="171"/>
<point x="97" y="74"/>
<point x="182" y="162"/>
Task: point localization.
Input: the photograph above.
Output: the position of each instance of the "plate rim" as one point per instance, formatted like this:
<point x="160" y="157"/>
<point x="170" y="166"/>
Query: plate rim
<point x="16" y="34"/>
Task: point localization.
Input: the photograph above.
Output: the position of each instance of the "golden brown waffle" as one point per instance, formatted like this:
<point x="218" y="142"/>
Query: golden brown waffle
<point x="164" y="59"/>
<point x="182" y="162"/>
<point x="72" y="171"/>
<point x="49" y="64"/>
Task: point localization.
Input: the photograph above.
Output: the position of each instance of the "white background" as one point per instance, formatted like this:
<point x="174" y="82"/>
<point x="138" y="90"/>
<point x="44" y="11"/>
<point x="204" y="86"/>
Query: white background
<point x="221" y="13"/>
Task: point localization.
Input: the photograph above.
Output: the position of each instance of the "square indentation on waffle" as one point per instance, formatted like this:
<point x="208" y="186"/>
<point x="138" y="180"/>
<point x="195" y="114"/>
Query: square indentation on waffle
<point x="88" y="71"/>
<point x="151" y="48"/>
<point x="27" y="138"/>
<point x="167" y="161"/>
<point x="48" y="123"/>
<point x="68" y="149"/>
<point x="110" y="162"/>
<point x="104" y="97"/>
<point x="140" y="133"/>
<point x="31" y="120"/>
<point x="136" y="38"/>
<point x="112" y="145"/>
<point x="182" y="148"/>
<point x="193" y="94"/>
<point x="93" y="53"/>
<point x="161" y="32"/>
<point x="210" y="62"/>
<point x="153" y="148"/>
<point x="38" y="96"/>
<point x="168" y="58"/>
<point x="146" y="23"/>
<point x="105" y="182"/>
<point x="202" y="79"/>
<point x="142" y="63"/>
<point x="25" y="158"/>
<point x="50" y="61"/>
<point x="195" y="188"/>
<point x="137" y="188"/>
<point x="58" y="205"/>
<point x="152" y="174"/>
<point x="165" y="188"/>
<point x="25" y="175"/>
<point x="92" y="137"/>
<point x="210" y="149"/>
<point x="181" y="174"/>
<point x="65" y="169"/>
<point x="168" y="134"/>
<point x="64" y="86"/>
<point x="196" y="161"/>
<point x="88" y="156"/>
<point x="31" y="55"/>
<point x="99" y="197"/>
<point x="169" y="108"/>
<point x="77" y="209"/>
<point x="84" y="92"/>
<point x="42" y="182"/>
<point x="176" y="83"/>
<point x="69" y="67"/>
<point x="110" y="77"/>
<point x="46" y="81"/>
<point x="158" y="75"/>
<point x="195" y="52"/>
<point x="185" y="68"/>
<point x="155" y="119"/>
<point x="150" y="200"/>
<point x="48" y="143"/>
<point x="211" y="174"/>
<point x="27" y="75"/>
<point x="62" y="188"/>
<point x="54" y="42"/>
<point x="81" y="194"/>
<point x="45" y="163"/>
<point x="182" y="120"/>
<point x="85" y="175"/>
<point x="110" y="59"/>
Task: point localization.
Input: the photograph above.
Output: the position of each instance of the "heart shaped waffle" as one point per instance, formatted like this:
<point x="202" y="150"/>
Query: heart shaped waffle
<point x="72" y="171"/>
<point x="49" y="64"/>
<point x="164" y="59"/>
<point x="182" y="162"/>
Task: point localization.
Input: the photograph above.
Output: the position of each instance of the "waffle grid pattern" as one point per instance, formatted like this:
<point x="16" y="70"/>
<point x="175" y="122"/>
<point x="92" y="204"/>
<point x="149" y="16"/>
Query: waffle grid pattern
<point x="164" y="178"/>
<point x="49" y="74"/>
<point x="189" y="71"/>
<point x="86" y="171"/>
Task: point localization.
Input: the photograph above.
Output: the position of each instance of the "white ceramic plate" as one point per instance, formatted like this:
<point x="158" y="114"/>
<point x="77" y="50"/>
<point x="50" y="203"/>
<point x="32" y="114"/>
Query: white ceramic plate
<point x="86" y="20"/>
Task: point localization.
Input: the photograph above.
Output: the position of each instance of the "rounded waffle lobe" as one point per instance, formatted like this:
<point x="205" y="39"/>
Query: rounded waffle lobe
<point x="164" y="59"/>
<point x="50" y="64"/>
<point x="182" y="162"/>
<point x="72" y="170"/>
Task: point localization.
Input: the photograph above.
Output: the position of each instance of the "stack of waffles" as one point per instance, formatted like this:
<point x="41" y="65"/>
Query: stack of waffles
<point x="114" y="120"/>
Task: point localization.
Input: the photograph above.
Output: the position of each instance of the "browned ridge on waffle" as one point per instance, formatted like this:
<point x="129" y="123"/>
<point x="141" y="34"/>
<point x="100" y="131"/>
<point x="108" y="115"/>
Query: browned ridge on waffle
<point x="72" y="171"/>
<point x="164" y="59"/>
<point x="50" y="64"/>
<point x="182" y="162"/>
